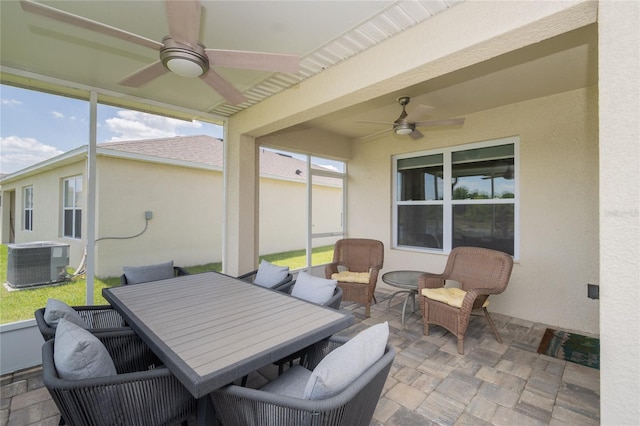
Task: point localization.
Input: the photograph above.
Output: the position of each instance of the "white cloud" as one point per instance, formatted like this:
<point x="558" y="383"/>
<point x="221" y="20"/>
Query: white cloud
<point x="134" y="125"/>
<point x="57" y="114"/>
<point x="10" y="102"/>
<point x="18" y="153"/>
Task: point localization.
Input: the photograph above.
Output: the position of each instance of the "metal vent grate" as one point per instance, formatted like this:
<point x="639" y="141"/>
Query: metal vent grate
<point x="397" y="18"/>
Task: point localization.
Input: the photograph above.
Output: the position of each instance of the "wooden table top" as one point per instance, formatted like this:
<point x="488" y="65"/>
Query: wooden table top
<point x="211" y="329"/>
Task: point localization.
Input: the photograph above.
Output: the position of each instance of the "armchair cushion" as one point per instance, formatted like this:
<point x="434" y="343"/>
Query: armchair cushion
<point x="452" y="296"/>
<point x="269" y="274"/>
<point x="345" y="364"/>
<point x="79" y="354"/>
<point x="291" y="383"/>
<point x="351" y="277"/>
<point x="56" y="309"/>
<point x="313" y="289"/>
<point x="143" y="274"/>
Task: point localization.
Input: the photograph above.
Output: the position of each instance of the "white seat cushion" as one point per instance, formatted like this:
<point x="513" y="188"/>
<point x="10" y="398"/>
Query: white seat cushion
<point x="57" y="309"/>
<point x="313" y="289"/>
<point x="269" y="274"/>
<point x="452" y="296"/>
<point x="351" y="277"/>
<point x="290" y="383"/>
<point x="348" y="362"/>
<point x="78" y="354"/>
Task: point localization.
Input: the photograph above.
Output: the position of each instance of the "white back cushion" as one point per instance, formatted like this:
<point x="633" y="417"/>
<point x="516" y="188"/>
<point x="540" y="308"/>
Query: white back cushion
<point x="57" y="309"/>
<point x="313" y="289"/>
<point x="143" y="274"/>
<point x="78" y="354"/>
<point x="348" y="362"/>
<point x="269" y="274"/>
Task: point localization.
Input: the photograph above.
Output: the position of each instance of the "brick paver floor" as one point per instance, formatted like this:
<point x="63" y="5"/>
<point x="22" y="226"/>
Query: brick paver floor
<point x="429" y="384"/>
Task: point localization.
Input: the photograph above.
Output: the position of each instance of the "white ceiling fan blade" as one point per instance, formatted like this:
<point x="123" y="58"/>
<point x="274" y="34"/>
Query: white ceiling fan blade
<point x="418" y="113"/>
<point x="253" y="60"/>
<point x="374" y="122"/>
<point x="373" y="135"/>
<point x="449" y="122"/>
<point x="220" y="85"/>
<point x="145" y="75"/>
<point x="184" y="20"/>
<point x="78" y="21"/>
<point x="416" y="134"/>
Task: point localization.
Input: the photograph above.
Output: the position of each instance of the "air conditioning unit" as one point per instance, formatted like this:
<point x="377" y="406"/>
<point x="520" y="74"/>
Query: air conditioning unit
<point x="37" y="263"/>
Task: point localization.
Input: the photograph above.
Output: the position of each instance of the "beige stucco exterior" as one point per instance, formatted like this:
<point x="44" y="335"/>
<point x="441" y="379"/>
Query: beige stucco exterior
<point x="186" y="205"/>
<point x="579" y="204"/>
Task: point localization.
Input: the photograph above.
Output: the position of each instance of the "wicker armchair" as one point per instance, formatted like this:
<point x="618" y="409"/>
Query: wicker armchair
<point x="357" y="255"/>
<point x="480" y="272"/>
<point x="99" y="318"/>
<point x="142" y="393"/>
<point x="236" y="405"/>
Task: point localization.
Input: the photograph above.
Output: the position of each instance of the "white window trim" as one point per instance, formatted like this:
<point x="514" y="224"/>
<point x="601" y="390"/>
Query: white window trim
<point x="447" y="201"/>
<point x="73" y="208"/>
<point x="26" y="208"/>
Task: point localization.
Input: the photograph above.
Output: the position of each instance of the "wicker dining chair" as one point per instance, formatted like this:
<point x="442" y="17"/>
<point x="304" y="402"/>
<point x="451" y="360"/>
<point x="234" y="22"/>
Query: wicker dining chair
<point x="147" y="273"/>
<point x="481" y="272"/>
<point x="353" y="406"/>
<point x="357" y="255"/>
<point x="333" y="302"/>
<point x="97" y="317"/>
<point x="142" y="393"/>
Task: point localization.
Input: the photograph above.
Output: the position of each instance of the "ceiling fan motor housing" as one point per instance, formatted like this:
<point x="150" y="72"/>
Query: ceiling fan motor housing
<point x="184" y="60"/>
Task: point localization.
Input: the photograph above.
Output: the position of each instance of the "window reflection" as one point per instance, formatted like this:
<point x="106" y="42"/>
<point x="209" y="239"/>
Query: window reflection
<point x="484" y="225"/>
<point x="420" y="226"/>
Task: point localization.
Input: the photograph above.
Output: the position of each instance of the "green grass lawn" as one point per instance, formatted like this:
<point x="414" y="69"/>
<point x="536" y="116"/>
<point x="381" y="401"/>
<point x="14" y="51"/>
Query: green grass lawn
<point x="20" y="304"/>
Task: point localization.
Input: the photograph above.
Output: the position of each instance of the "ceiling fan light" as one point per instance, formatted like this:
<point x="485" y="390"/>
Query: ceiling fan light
<point x="185" y="67"/>
<point x="403" y="129"/>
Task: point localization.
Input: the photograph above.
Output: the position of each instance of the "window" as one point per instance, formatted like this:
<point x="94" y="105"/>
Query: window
<point x="72" y="215"/>
<point x="27" y="202"/>
<point x="465" y="196"/>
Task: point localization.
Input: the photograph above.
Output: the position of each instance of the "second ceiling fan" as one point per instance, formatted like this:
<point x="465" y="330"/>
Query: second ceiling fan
<point x="407" y="124"/>
<point x="181" y="52"/>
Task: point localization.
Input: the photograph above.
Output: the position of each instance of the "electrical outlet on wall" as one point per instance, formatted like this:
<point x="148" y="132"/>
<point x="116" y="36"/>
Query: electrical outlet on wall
<point x="148" y="215"/>
<point x="593" y="291"/>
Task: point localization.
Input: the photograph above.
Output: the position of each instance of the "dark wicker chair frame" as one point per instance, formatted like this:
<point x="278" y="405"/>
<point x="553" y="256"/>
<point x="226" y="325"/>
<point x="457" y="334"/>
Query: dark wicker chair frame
<point x="177" y="272"/>
<point x="480" y="272"/>
<point x="250" y="276"/>
<point x="333" y="302"/>
<point x="358" y="255"/>
<point x="142" y="393"/>
<point x="98" y="317"/>
<point x="354" y="406"/>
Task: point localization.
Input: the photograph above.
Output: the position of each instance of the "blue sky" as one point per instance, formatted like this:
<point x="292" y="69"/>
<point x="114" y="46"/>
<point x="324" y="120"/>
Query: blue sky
<point x="36" y="126"/>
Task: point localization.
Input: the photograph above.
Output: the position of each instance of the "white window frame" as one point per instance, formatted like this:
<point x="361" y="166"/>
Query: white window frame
<point x="74" y="207"/>
<point x="27" y="207"/>
<point x="447" y="203"/>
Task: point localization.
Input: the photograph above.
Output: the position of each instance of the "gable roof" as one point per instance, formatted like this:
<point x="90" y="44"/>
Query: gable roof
<point x="198" y="150"/>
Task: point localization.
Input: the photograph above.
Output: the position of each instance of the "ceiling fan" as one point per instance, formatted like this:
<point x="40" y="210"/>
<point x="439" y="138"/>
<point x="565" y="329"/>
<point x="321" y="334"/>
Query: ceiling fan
<point x="181" y="52"/>
<point x="407" y="124"/>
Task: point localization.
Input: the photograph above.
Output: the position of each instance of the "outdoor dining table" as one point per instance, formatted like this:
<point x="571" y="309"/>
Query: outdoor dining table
<point x="210" y="329"/>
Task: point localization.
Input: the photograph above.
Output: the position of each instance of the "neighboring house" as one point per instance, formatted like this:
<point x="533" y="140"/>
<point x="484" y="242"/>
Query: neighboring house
<point x="179" y="180"/>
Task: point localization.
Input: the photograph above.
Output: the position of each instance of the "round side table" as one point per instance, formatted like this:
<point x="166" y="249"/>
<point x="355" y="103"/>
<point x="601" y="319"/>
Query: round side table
<point x="408" y="282"/>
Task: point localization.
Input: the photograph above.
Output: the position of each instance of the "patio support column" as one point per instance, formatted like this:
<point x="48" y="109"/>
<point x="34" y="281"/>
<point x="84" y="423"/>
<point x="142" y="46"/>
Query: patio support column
<point x="619" y="109"/>
<point x="241" y="205"/>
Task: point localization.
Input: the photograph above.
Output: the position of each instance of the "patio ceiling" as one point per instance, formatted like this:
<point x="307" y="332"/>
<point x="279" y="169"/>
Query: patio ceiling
<point x="323" y="33"/>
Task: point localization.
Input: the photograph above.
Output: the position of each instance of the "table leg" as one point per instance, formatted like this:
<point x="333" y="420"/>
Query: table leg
<point x="206" y="415"/>
<point x="394" y="295"/>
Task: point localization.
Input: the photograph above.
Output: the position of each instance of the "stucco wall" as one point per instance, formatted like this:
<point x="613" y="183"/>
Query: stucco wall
<point x="187" y="215"/>
<point x="283" y="210"/>
<point x="558" y="203"/>
<point x="47" y="205"/>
